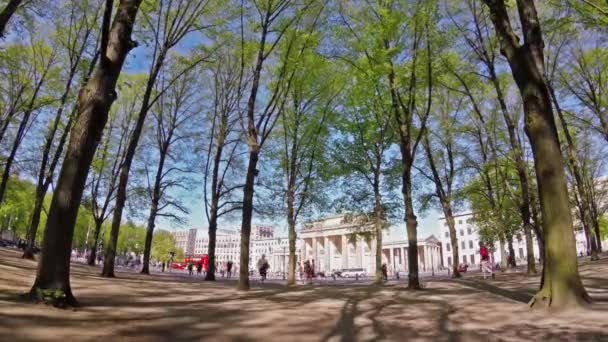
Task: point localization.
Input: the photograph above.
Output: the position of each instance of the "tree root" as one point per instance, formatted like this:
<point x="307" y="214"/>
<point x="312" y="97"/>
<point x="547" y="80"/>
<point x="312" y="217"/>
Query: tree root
<point x="59" y="298"/>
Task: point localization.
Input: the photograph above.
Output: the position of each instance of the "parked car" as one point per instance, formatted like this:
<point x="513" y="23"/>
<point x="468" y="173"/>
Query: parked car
<point x="353" y="273"/>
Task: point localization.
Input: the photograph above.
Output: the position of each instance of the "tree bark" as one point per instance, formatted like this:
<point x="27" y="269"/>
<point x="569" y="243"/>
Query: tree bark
<point x="411" y="224"/>
<point x="93" y="254"/>
<point x="156" y="196"/>
<point x="6" y="15"/>
<point x="562" y="286"/>
<point x="215" y="198"/>
<point x="291" y="225"/>
<point x="378" y="221"/>
<point x="243" y="283"/>
<point x="94" y="102"/>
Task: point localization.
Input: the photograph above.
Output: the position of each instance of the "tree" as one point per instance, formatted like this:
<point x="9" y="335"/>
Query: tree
<point x="411" y="105"/>
<point x="275" y="22"/>
<point x="561" y="285"/>
<point x="42" y="67"/>
<point x="365" y="134"/>
<point x="162" y="245"/>
<point x="225" y="144"/>
<point x="304" y="132"/>
<point x="75" y="43"/>
<point x="174" y="134"/>
<point x="169" y="23"/>
<point x="94" y="102"/>
<point x="444" y="159"/>
<point x="485" y="47"/>
<point x="108" y="158"/>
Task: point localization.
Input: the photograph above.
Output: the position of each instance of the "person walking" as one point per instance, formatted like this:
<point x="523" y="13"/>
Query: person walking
<point x="384" y="272"/>
<point x="308" y="272"/>
<point x="263" y="267"/>
<point x="199" y="268"/>
<point x="190" y="268"/>
<point x="229" y="269"/>
<point x="485" y="260"/>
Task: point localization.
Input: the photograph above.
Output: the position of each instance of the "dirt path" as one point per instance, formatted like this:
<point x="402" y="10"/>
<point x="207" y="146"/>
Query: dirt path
<point x="160" y="308"/>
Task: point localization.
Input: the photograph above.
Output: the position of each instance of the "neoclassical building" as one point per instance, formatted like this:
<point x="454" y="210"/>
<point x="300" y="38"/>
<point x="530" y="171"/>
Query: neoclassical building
<point x="346" y="241"/>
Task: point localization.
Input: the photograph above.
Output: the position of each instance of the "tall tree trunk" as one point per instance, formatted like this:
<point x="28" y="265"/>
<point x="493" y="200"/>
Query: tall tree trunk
<point x="562" y="286"/>
<point x="6" y="15"/>
<point x="145" y="269"/>
<point x="449" y="218"/>
<point x="33" y="229"/>
<point x="156" y="195"/>
<point x="121" y="190"/>
<point x="291" y="225"/>
<point x="94" y="102"/>
<point x="215" y="198"/>
<point x="212" y="241"/>
<point x="243" y="283"/>
<point x="411" y="224"/>
<point x="93" y="254"/>
<point x="378" y="220"/>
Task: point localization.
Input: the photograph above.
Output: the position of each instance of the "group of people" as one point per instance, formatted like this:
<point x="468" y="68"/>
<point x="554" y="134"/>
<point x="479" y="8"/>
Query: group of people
<point x="199" y="269"/>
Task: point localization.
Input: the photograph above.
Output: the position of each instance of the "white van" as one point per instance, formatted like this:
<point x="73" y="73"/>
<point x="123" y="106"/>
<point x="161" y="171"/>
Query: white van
<point x="353" y="272"/>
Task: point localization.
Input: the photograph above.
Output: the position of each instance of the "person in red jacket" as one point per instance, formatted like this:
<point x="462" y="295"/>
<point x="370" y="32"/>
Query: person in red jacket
<point x="485" y="260"/>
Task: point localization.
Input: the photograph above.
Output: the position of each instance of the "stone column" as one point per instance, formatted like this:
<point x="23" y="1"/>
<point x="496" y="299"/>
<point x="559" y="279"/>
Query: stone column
<point x="405" y="264"/>
<point x="327" y="251"/>
<point x="315" y="253"/>
<point x="303" y="251"/>
<point x="358" y="260"/>
<point x="391" y="262"/>
<point x="344" y="251"/>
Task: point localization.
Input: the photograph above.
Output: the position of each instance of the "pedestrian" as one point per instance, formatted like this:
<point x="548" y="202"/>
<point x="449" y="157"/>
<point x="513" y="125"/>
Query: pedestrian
<point x="229" y="269"/>
<point x="163" y="267"/>
<point x="308" y="272"/>
<point x="263" y="267"/>
<point x="190" y="267"/>
<point x="485" y="260"/>
<point x="384" y="272"/>
<point x="199" y="268"/>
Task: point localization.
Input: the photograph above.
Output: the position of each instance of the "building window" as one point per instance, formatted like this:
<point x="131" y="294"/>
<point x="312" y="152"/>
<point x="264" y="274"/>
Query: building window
<point x="445" y="224"/>
<point x="461" y="232"/>
<point x="471" y="244"/>
<point x="469" y="230"/>
<point x="464" y="259"/>
<point x="447" y="247"/>
<point x="449" y="261"/>
<point x="521" y="253"/>
<point x="447" y="235"/>
<point x="472" y="259"/>
<point x="462" y="245"/>
<point x="459" y="221"/>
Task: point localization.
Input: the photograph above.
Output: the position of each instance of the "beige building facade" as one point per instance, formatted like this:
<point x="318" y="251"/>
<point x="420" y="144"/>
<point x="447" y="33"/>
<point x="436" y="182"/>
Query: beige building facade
<point x="345" y="241"/>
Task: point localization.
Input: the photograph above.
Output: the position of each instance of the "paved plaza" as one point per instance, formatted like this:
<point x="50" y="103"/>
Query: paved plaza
<point x="166" y="307"/>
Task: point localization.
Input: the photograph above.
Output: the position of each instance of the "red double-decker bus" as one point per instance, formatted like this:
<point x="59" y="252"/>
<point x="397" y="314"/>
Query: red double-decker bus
<point x="194" y="259"/>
